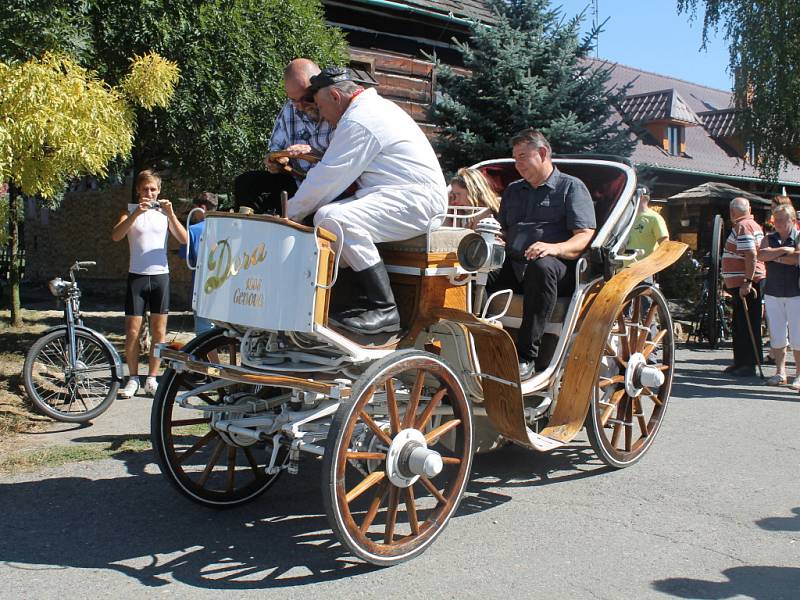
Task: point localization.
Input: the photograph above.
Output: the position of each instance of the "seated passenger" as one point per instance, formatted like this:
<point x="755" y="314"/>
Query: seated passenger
<point x="298" y="129"/>
<point x="470" y="188"/>
<point x="400" y="187"/>
<point x="548" y="221"/>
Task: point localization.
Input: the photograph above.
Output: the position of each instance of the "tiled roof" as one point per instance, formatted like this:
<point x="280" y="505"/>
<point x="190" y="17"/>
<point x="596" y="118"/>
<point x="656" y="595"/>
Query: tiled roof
<point x="719" y="123"/>
<point x="703" y="154"/>
<point x="658" y="106"/>
<point x="721" y="191"/>
<point x="466" y="9"/>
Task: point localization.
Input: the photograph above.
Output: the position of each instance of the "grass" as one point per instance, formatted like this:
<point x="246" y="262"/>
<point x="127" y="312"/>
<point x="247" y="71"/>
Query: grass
<point x="54" y="456"/>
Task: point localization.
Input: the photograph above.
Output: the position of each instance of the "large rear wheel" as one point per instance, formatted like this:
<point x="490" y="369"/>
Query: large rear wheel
<point x="634" y="381"/>
<point x="398" y="457"/>
<point x="207" y="467"/>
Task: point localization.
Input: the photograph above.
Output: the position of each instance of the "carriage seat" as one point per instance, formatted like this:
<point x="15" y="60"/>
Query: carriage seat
<point x="515" y="309"/>
<point x="444" y="240"/>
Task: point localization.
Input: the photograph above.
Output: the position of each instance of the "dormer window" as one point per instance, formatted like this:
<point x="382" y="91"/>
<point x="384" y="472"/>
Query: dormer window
<point x="673" y="140"/>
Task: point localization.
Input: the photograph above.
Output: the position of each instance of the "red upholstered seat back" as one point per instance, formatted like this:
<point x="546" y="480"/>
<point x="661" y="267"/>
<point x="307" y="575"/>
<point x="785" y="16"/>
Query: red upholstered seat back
<point x="605" y="184"/>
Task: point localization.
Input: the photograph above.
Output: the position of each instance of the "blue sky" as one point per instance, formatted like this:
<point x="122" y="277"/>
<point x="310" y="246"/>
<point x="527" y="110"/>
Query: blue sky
<point x="651" y="35"/>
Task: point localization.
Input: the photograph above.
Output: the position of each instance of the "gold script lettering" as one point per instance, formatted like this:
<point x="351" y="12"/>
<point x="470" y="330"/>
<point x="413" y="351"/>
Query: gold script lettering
<point x="223" y="265"/>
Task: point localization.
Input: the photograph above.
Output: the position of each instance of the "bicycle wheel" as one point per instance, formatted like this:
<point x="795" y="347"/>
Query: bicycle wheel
<point x="71" y="393"/>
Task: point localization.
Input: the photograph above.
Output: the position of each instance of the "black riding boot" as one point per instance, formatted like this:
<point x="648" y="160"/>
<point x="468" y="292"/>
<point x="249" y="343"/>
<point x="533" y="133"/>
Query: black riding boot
<point x="381" y="313"/>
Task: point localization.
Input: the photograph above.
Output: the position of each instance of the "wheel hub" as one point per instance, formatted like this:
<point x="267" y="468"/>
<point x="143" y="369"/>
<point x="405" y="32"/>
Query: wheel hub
<point x="639" y="375"/>
<point x="409" y="458"/>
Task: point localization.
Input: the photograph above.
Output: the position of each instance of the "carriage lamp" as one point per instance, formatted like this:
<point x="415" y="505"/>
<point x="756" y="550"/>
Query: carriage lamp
<point x="57" y="286"/>
<point x="481" y="251"/>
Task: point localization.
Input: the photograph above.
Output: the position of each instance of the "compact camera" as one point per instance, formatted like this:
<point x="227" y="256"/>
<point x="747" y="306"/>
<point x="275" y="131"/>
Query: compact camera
<point x="154" y="204"/>
<point x="481" y="251"/>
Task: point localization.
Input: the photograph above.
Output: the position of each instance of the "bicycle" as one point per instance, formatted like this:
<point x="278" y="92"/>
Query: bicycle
<point x="72" y="373"/>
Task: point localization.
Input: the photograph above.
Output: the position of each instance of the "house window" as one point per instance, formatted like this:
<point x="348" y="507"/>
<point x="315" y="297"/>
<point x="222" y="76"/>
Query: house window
<point x="674" y="140"/>
<point x="750" y="153"/>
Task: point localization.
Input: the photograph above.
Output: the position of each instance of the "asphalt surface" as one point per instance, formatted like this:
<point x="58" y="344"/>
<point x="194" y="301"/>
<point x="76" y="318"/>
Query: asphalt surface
<point x="713" y="511"/>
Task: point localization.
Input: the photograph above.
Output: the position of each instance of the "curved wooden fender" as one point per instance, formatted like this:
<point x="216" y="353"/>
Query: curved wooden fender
<point x="583" y="363"/>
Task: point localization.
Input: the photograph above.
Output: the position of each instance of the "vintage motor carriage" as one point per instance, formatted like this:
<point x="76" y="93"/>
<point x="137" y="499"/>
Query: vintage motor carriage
<point x="396" y="421"/>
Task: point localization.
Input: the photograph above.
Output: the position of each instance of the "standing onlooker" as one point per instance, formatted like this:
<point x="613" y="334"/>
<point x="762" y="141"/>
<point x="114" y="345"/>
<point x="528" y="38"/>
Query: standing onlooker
<point x="649" y="230"/>
<point x="782" y="201"/>
<point x="779" y="250"/>
<point x="206" y="202"/>
<point x="146" y="227"/>
<point x="742" y="271"/>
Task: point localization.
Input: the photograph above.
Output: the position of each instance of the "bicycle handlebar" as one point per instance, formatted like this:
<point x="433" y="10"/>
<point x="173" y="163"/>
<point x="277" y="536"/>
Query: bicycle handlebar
<point x="83" y="264"/>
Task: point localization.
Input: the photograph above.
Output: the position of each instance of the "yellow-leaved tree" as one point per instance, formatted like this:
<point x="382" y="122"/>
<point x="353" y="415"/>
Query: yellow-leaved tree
<point x="59" y="121"/>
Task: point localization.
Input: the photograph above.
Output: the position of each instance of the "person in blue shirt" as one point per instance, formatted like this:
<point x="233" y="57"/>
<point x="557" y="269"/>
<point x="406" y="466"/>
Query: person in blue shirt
<point x="205" y="201"/>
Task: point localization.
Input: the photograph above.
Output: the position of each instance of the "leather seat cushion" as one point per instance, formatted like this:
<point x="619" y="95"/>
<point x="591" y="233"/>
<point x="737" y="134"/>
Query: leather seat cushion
<point x="442" y="240"/>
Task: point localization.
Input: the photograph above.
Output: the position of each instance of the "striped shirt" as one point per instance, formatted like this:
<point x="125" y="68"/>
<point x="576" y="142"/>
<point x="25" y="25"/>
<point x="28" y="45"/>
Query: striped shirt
<point x="293" y="126"/>
<point x="745" y="236"/>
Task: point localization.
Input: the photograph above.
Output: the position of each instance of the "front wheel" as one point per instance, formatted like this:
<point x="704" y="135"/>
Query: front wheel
<point x="73" y="393"/>
<point x="398" y="457"/>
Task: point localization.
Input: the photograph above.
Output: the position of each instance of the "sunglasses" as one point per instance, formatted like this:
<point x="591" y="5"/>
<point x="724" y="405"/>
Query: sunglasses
<point x="306" y="98"/>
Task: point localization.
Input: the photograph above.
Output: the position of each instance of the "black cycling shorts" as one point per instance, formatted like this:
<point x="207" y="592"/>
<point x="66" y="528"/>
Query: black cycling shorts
<point x="147" y="292"/>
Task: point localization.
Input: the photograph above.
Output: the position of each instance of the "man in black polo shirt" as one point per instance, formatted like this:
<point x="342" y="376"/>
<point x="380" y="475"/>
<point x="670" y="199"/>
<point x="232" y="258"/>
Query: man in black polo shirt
<point x="548" y="221"/>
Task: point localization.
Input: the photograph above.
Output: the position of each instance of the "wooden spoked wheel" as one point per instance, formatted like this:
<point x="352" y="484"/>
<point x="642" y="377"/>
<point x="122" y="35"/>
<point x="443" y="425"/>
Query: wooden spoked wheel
<point x="213" y="469"/>
<point x="634" y="381"/>
<point x="398" y="457"/>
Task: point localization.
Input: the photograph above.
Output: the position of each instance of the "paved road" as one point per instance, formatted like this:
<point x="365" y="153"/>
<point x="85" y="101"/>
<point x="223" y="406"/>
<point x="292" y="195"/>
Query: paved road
<point x="713" y="511"/>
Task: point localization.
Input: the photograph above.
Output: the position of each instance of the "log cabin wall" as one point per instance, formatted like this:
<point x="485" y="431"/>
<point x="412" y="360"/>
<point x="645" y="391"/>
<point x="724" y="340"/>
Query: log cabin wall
<point x="393" y="40"/>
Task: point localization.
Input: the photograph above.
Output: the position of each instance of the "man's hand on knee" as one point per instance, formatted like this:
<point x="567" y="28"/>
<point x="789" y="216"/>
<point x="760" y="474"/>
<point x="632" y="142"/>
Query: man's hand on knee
<point x="542" y="249"/>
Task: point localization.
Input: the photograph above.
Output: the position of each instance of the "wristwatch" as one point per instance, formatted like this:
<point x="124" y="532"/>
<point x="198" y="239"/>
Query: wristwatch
<point x="746" y="280"/>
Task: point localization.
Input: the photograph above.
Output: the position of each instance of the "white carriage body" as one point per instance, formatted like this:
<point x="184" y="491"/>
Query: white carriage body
<point x="257" y="273"/>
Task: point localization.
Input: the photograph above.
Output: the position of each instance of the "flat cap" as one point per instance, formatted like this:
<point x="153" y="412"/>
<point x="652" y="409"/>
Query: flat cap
<point x="329" y="76"/>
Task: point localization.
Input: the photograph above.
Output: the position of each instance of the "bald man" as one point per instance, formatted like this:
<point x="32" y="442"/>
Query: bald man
<point x="299" y="129"/>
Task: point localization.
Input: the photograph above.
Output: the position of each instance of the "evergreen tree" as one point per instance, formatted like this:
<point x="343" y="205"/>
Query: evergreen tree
<point x="529" y="69"/>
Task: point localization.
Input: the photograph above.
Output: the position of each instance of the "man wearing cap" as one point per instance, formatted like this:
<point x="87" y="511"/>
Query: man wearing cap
<point x="205" y="201"/>
<point x="400" y="185"/>
<point x="298" y="129"/>
<point x="649" y="230"/>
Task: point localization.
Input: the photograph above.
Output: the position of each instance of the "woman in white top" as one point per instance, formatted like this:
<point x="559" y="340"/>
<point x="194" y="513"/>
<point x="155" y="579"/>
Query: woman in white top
<point x="146" y="228"/>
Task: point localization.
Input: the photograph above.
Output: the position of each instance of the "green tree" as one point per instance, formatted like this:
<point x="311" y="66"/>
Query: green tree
<point x="231" y="53"/>
<point x="764" y="40"/>
<point x="528" y="70"/>
<point x="59" y="121"/>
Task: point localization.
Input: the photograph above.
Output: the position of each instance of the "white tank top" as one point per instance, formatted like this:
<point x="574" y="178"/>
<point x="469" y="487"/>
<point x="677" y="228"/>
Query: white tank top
<point x="147" y="241"/>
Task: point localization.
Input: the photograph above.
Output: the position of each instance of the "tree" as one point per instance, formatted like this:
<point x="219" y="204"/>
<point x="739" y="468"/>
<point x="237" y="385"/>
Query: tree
<point x="527" y="70"/>
<point x="59" y="121"/>
<point x="764" y="40"/>
<point x="231" y="53"/>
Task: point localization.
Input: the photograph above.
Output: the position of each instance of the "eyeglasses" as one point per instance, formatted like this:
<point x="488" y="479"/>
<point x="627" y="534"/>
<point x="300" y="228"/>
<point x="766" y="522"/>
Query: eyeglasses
<point x="306" y="98"/>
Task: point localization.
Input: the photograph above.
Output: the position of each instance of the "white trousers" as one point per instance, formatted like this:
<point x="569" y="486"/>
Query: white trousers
<point x="783" y="315"/>
<point x="386" y="215"/>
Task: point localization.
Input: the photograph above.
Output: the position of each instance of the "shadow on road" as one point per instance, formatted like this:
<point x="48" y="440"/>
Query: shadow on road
<point x="759" y="583"/>
<point x="140" y="527"/>
<point x="782" y="524"/>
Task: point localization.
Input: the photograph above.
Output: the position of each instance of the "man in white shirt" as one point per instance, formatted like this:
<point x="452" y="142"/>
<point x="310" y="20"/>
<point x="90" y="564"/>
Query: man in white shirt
<point x="400" y="184"/>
